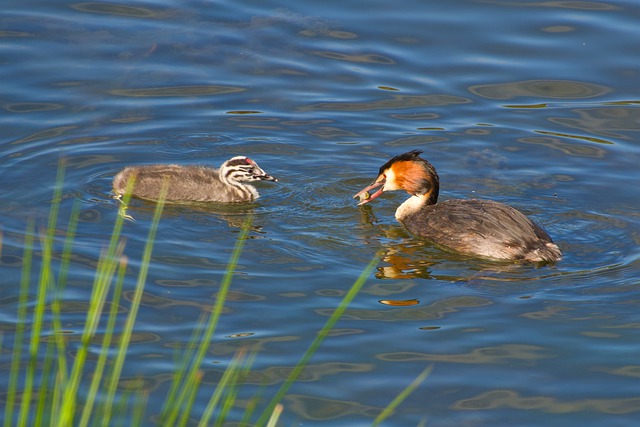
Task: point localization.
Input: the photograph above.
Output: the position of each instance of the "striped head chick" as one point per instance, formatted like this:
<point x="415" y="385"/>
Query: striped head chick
<point x="243" y="169"/>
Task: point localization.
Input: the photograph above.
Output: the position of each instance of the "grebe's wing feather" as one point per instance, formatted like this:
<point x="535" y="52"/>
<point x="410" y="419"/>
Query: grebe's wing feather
<point x="481" y="227"/>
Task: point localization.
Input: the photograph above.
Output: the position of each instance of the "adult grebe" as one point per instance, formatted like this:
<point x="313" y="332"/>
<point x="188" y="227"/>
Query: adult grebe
<point x="476" y="227"/>
<point x="194" y="183"/>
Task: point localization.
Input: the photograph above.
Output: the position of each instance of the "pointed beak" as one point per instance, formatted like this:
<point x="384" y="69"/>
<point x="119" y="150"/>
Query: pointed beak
<point x="369" y="197"/>
<point x="266" y="177"/>
<point x="260" y="175"/>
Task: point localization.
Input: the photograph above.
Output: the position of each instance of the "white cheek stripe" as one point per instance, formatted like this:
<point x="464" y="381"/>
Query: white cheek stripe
<point x="390" y="183"/>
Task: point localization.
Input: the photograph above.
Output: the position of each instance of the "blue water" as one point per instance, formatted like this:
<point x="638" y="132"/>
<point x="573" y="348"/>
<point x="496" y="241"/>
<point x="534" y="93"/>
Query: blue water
<point x="534" y="104"/>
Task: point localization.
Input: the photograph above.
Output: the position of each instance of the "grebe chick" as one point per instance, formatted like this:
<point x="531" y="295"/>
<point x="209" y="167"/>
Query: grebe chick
<point x="475" y="227"/>
<point x="187" y="184"/>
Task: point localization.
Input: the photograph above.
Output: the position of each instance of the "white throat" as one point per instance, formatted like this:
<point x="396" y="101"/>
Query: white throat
<point x="409" y="207"/>
<point x="245" y="191"/>
<point x="253" y="191"/>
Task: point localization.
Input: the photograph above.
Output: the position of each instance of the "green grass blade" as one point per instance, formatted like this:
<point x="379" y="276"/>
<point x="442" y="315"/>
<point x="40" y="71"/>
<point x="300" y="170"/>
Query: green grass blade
<point x="171" y="411"/>
<point x="192" y="391"/>
<point x="222" y="386"/>
<point x="250" y="409"/>
<point x="55" y="341"/>
<point x="275" y="415"/>
<point x="137" y="417"/>
<point x="56" y="399"/>
<point x="96" y="305"/>
<point x="106" y="344"/>
<point x="56" y="292"/>
<point x="57" y="198"/>
<point x="386" y="412"/>
<point x="43" y="402"/>
<point x="182" y="369"/>
<point x="240" y="369"/>
<point x="125" y="338"/>
<point x="68" y="246"/>
<point x="215" y="398"/>
<point x="120" y="409"/>
<point x="27" y="260"/>
<point x="46" y="277"/>
<point x="326" y="329"/>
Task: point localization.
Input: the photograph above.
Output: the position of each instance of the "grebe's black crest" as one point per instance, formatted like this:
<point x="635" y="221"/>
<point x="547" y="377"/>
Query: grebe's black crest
<point x="411" y="156"/>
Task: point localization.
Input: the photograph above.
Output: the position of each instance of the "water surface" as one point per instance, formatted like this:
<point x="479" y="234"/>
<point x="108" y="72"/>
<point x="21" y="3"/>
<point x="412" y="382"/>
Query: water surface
<point x="534" y="104"/>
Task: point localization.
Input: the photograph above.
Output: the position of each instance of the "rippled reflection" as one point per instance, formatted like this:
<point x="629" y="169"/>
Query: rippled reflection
<point x="512" y="399"/>
<point x="44" y="134"/>
<point x="610" y="121"/>
<point x="625" y="371"/>
<point x="412" y="141"/>
<point x="312" y="372"/>
<point x="177" y="91"/>
<point x="393" y="102"/>
<point x="31" y="107"/>
<point x="559" y="4"/>
<point x="570" y="148"/>
<point x="367" y="58"/>
<point x="436" y="310"/>
<point x="150" y="300"/>
<point x="114" y="9"/>
<point x="234" y="215"/>
<point x="316" y="408"/>
<point x="505" y="353"/>
<point x="554" y="89"/>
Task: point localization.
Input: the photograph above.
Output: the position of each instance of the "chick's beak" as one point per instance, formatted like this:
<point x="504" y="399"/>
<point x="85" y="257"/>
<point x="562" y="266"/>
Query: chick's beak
<point x="263" y="176"/>
<point x="363" y="194"/>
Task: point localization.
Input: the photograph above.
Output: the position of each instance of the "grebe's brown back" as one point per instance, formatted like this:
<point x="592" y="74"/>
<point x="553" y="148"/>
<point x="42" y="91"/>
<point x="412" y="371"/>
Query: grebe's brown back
<point x="476" y="227"/>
